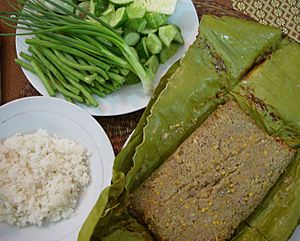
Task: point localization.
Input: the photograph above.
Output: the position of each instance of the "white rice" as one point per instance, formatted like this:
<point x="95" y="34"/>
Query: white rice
<point x="41" y="178"/>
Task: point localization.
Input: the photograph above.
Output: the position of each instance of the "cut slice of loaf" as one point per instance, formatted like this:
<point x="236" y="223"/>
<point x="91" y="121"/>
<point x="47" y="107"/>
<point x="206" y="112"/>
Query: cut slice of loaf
<point x="213" y="181"/>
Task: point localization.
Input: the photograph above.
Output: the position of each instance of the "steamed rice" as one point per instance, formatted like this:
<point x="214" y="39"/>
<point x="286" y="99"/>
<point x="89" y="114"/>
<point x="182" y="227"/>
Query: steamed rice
<point x="41" y="177"/>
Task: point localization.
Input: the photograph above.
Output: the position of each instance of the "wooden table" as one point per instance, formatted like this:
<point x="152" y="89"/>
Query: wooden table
<point x="15" y="85"/>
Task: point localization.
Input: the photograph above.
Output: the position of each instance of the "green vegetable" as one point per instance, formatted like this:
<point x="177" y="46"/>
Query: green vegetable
<point x="154" y="45"/>
<point x="135" y="11"/>
<point x="142" y="50"/>
<point x="131" y="79"/>
<point x="167" y="53"/>
<point x="121" y="2"/>
<point x="132" y="38"/>
<point x="136" y="24"/>
<point x="155" y="20"/>
<point x="97" y="7"/>
<point x="152" y="64"/>
<point x="119" y="17"/>
<point x="110" y="10"/>
<point x="84" y="5"/>
<point x="73" y="35"/>
<point x="167" y="34"/>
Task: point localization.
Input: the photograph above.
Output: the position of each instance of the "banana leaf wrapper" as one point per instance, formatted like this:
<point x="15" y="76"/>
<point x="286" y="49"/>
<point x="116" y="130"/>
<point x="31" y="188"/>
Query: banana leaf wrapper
<point x="278" y="214"/>
<point x="271" y="94"/>
<point x="239" y="43"/>
<point x="184" y="98"/>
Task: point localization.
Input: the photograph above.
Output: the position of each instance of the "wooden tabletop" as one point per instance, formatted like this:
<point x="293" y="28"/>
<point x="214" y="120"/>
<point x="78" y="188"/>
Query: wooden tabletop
<point x="15" y="85"/>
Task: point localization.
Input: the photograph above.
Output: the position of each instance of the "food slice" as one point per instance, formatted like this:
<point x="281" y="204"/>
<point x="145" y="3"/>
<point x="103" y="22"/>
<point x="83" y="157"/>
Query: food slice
<point x="213" y="181"/>
<point x="271" y="94"/>
<point x="239" y="43"/>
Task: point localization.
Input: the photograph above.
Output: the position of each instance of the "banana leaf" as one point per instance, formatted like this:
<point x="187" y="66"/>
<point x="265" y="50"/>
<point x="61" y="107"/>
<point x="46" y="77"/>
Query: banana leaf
<point x="249" y="234"/>
<point x="109" y="217"/>
<point x="188" y="99"/>
<point x="184" y="98"/>
<point x="278" y="215"/>
<point x="238" y="42"/>
<point x="271" y="94"/>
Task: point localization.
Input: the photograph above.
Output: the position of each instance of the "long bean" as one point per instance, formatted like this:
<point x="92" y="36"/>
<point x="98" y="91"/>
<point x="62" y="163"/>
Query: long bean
<point x="42" y="76"/>
<point x="54" y="70"/>
<point x="64" y="91"/>
<point x="24" y="65"/>
<point x="66" y="49"/>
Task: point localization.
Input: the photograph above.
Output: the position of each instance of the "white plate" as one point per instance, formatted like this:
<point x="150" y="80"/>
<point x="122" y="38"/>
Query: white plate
<point x="66" y="121"/>
<point x="131" y="98"/>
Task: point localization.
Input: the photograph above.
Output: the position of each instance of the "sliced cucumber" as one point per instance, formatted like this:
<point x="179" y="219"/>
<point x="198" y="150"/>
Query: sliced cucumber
<point x="178" y="38"/>
<point x="155" y="20"/>
<point x="86" y="6"/>
<point x="153" y="43"/>
<point x="97" y="7"/>
<point x="137" y="24"/>
<point x="167" y="53"/>
<point x="118" y="18"/>
<point x="135" y="11"/>
<point x="110" y="10"/>
<point x="152" y="64"/>
<point x="121" y="2"/>
<point x="167" y="34"/>
<point x="132" y="38"/>
<point x="148" y="31"/>
<point x="142" y="50"/>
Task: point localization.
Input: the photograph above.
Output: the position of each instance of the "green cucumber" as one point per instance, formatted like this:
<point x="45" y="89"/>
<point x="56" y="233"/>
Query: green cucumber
<point x="135" y="11"/>
<point x="152" y="64"/>
<point x="155" y="20"/>
<point x="132" y="38"/>
<point x="167" y="53"/>
<point x="121" y="2"/>
<point x="142" y="50"/>
<point x="97" y="7"/>
<point x="167" y="34"/>
<point x="119" y="17"/>
<point x="153" y="43"/>
<point x="137" y="24"/>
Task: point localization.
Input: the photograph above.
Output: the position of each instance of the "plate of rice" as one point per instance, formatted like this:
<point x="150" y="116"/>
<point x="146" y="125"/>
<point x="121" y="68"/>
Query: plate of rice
<point x="55" y="160"/>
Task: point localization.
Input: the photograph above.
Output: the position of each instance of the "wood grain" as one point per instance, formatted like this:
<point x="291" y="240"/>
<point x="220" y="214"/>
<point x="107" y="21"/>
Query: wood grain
<point x="15" y="85"/>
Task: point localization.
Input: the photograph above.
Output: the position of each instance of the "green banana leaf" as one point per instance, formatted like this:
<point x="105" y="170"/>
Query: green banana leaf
<point x="183" y="100"/>
<point x="249" y="234"/>
<point x="109" y="217"/>
<point x="278" y="215"/>
<point x="189" y="97"/>
<point x="239" y="43"/>
<point x="271" y="94"/>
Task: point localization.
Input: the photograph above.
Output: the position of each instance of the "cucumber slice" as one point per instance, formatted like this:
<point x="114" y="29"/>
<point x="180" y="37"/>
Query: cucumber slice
<point x="86" y="6"/>
<point x="142" y="50"/>
<point x="153" y="43"/>
<point x="178" y="38"/>
<point x="167" y="53"/>
<point x="135" y="52"/>
<point x="132" y="38"/>
<point x="167" y="34"/>
<point x="148" y="31"/>
<point x="110" y="10"/>
<point x="155" y="20"/>
<point x="137" y="24"/>
<point x="135" y="11"/>
<point x="121" y="2"/>
<point x="118" y="18"/>
<point x="152" y="64"/>
<point x="97" y="7"/>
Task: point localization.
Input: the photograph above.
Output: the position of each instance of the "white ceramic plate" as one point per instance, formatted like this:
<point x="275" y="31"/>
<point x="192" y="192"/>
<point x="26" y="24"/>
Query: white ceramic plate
<point x="131" y="98"/>
<point x="66" y="121"/>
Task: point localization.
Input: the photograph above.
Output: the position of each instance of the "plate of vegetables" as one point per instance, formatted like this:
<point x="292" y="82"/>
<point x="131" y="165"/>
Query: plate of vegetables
<point x="106" y="56"/>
